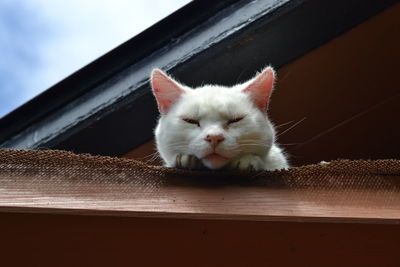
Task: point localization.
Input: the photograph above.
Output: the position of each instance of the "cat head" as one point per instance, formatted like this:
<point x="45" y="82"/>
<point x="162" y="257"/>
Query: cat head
<point x="214" y="123"/>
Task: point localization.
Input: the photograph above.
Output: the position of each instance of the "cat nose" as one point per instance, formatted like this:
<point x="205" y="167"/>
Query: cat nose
<point x="214" y="139"/>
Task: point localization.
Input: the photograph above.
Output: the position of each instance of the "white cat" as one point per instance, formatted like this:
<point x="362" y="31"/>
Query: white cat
<point x="215" y="126"/>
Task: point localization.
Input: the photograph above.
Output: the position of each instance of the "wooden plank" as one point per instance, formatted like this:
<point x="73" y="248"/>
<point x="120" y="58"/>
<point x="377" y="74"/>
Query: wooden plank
<point x="60" y="240"/>
<point x="228" y="204"/>
<point x="62" y="182"/>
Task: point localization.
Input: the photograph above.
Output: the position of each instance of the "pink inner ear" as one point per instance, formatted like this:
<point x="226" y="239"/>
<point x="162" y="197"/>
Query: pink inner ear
<point x="166" y="90"/>
<point x="260" y="88"/>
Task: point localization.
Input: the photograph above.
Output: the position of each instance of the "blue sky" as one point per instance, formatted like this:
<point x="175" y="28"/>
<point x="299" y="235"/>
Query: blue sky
<point x="44" y="41"/>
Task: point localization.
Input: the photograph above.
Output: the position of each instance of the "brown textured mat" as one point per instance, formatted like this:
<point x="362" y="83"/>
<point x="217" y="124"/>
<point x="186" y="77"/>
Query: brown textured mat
<point x="338" y="173"/>
<point x="62" y="180"/>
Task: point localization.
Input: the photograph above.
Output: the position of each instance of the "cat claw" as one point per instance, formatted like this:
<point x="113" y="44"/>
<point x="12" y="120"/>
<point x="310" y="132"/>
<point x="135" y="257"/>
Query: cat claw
<point x="188" y="162"/>
<point x="248" y="163"/>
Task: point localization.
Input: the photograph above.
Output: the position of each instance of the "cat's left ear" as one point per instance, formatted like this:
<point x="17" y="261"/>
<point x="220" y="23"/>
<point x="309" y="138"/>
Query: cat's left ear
<point x="260" y="88"/>
<point x="166" y="90"/>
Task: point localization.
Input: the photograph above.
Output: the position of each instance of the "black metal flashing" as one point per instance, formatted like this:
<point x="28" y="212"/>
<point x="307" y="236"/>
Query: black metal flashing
<point x="111" y="110"/>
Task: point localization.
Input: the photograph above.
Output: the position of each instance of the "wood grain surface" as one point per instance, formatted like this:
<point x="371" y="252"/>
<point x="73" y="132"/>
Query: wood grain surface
<point x="313" y="194"/>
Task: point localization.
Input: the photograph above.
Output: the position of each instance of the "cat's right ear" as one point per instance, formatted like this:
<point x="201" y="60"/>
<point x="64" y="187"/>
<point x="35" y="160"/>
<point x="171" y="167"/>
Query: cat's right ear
<point x="166" y="90"/>
<point x="260" y="88"/>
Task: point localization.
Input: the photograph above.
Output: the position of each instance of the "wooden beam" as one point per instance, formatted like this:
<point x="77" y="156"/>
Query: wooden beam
<point x="60" y="240"/>
<point x="62" y="182"/>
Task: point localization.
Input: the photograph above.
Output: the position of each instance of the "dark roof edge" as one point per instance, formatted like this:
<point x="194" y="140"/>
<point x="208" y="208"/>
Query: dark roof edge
<point x="104" y="67"/>
<point x="117" y="86"/>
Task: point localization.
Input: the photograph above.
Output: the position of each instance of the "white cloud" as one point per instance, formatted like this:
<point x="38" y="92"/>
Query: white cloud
<point x="74" y="33"/>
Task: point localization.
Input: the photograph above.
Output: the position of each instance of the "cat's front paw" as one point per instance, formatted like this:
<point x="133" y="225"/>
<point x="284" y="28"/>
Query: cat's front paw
<point x="247" y="162"/>
<point x="188" y="162"/>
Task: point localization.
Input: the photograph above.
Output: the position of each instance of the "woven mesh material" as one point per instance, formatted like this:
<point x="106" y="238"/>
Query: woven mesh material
<point x="41" y="166"/>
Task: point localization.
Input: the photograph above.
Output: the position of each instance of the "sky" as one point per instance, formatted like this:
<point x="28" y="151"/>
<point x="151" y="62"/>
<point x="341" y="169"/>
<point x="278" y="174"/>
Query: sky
<point x="44" y="41"/>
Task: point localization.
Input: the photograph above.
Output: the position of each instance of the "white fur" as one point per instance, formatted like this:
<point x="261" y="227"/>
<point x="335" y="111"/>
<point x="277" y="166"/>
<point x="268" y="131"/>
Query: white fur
<point x="249" y="143"/>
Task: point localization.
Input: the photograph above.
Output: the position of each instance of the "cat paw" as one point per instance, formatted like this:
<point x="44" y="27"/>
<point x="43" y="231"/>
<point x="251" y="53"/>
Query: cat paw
<point x="247" y="162"/>
<point x="188" y="162"/>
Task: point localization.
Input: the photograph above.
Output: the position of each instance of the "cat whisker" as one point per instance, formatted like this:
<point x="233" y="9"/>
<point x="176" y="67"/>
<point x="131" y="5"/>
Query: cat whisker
<point x="291" y="127"/>
<point x="175" y="145"/>
<point x="153" y="159"/>
<point x="290" y="144"/>
<point x="150" y="155"/>
<point x="253" y="144"/>
<point x="150" y="158"/>
<point x="283" y="124"/>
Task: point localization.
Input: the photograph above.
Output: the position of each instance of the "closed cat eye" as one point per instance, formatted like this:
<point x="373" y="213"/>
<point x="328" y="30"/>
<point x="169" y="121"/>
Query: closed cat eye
<point x="235" y="120"/>
<point x="191" y="121"/>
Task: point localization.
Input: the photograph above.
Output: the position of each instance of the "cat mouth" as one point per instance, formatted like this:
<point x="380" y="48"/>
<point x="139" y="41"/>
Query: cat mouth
<point x="214" y="156"/>
<point x="214" y="160"/>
